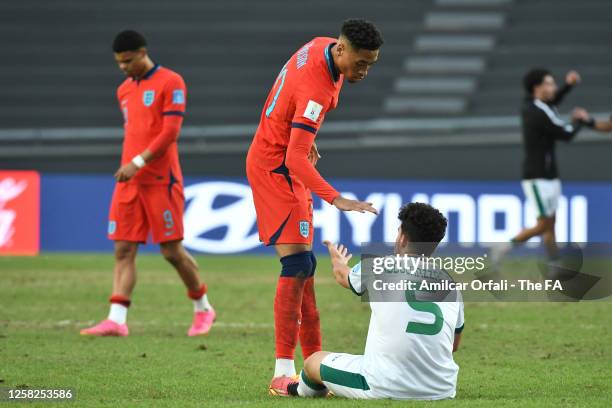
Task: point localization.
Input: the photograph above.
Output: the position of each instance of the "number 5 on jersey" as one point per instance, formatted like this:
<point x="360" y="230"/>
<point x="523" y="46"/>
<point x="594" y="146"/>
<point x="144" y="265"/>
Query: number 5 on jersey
<point x="428" y="329"/>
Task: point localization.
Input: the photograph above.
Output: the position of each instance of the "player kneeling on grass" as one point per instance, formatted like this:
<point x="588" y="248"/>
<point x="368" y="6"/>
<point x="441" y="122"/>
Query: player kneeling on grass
<point x="410" y="345"/>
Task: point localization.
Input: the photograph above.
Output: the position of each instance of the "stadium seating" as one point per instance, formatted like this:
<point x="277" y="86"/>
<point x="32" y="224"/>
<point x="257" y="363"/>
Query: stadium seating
<point x="61" y="71"/>
<point x="446" y="64"/>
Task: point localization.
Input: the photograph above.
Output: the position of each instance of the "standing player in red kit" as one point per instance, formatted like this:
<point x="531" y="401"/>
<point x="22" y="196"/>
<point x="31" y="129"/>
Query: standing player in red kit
<point x="148" y="196"/>
<point x="281" y="171"/>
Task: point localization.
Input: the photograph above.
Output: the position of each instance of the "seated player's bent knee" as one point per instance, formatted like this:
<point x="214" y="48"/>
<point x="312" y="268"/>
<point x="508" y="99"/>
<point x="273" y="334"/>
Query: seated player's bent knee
<point x="312" y="365"/>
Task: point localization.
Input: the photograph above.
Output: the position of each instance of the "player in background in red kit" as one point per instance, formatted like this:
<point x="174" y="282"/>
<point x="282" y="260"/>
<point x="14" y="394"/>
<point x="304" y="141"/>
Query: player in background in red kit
<point x="281" y="171"/>
<point x="148" y="196"/>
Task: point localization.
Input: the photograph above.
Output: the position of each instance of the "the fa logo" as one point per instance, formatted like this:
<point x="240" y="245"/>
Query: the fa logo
<point x="304" y="228"/>
<point x="148" y="97"/>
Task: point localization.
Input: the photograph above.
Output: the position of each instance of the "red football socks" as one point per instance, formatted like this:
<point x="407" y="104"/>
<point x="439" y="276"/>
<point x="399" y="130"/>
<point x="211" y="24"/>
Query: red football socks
<point x="287" y="315"/>
<point x="310" y="330"/>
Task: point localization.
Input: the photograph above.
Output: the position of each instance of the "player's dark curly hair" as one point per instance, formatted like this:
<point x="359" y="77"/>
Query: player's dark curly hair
<point x="424" y="225"/>
<point x="129" y="40"/>
<point x="362" y="34"/>
<point x="533" y="78"/>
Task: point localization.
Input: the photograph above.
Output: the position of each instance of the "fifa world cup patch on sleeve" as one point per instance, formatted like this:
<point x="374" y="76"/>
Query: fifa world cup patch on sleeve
<point x="313" y="110"/>
<point x="178" y="97"/>
<point x="112" y="227"/>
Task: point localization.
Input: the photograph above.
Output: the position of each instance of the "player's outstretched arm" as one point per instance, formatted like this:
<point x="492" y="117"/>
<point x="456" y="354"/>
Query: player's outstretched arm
<point x="299" y="161"/>
<point x="346" y="204"/>
<point x="603" y="125"/>
<point x="339" y="257"/>
<point x="555" y="128"/>
<point x="583" y="116"/>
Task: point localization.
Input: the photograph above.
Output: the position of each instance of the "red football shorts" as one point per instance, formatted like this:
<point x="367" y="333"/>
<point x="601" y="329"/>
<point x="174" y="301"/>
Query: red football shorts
<point x="283" y="206"/>
<point x="139" y="209"/>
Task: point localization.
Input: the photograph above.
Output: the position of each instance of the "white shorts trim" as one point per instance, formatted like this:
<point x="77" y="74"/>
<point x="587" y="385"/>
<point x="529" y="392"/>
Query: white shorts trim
<point x="342" y="374"/>
<point x="543" y="195"/>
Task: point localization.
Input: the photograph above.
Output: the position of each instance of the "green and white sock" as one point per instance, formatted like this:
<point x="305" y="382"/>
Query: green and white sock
<point x="308" y="388"/>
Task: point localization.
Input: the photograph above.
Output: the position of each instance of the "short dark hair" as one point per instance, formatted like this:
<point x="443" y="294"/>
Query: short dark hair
<point x="129" y="40"/>
<point x="533" y="78"/>
<point x="423" y="225"/>
<point x="362" y="34"/>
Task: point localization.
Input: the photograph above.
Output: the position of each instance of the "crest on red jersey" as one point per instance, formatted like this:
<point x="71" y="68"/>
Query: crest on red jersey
<point x="304" y="228"/>
<point x="148" y="97"/>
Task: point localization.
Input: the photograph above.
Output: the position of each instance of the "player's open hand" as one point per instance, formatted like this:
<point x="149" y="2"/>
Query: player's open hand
<point x="339" y="253"/>
<point x="340" y="256"/>
<point x="126" y="172"/>
<point x="346" y="204"/>
<point x="572" y="78"/>
<point x="314" y="155"/>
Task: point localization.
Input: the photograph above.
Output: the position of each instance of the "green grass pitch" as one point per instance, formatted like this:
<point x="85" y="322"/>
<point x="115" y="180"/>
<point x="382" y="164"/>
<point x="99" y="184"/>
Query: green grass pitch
<point x="512" y="354"/>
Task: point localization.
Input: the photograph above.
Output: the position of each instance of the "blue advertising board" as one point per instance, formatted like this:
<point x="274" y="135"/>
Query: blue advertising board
<point x="220" y="217"/>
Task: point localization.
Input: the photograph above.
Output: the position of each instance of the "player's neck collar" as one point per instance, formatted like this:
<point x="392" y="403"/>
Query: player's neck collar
<point x="335" y="75"/>
<point x="149" y="73"/>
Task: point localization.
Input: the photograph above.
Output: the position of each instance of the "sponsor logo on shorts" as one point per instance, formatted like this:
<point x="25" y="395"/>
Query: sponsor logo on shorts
<point x="304" y="228"/>
<point x="148" y="97"/>
<point x="112" y="227"/>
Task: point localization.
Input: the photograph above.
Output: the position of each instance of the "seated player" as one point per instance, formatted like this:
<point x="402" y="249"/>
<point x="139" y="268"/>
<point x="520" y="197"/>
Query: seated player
<point x="410" y="345"/>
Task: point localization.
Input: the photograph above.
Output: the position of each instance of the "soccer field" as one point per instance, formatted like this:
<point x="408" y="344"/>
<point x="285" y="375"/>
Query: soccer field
<point x="512" y="354"/>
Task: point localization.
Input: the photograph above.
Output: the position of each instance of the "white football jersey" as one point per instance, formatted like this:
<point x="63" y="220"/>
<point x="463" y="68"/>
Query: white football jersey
<point x="409" y="350"/>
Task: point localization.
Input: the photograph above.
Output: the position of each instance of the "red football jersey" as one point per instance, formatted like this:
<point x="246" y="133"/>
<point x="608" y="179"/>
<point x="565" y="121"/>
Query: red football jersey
<point x="307" y="87"/>
<point x="144" y="103"/>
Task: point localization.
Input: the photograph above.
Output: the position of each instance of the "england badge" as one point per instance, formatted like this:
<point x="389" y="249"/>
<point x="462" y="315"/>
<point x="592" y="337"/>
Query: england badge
<point x="304" y="228"/>
<point x="148" y="97"/>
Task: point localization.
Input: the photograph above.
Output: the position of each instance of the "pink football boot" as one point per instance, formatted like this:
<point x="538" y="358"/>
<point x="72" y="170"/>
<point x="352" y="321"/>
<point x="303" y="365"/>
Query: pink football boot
<point x="106" y="328"/>
<point x="202" y="322"/>
<point x="279" y="386"/>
